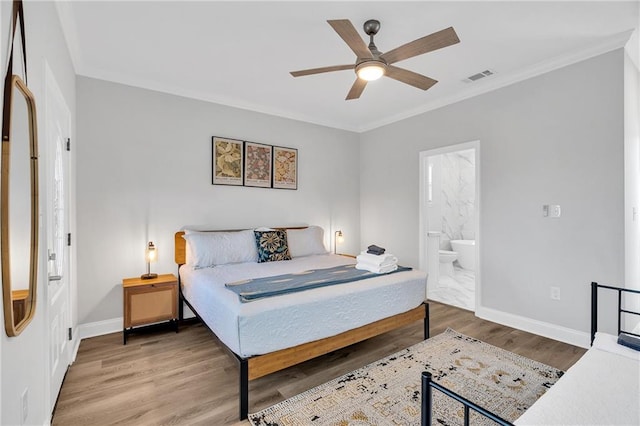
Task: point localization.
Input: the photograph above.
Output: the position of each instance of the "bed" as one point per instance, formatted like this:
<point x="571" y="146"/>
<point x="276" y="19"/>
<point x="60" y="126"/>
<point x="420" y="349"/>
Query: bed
<point x="270" y="334"/>
<point x="603" y="387"/>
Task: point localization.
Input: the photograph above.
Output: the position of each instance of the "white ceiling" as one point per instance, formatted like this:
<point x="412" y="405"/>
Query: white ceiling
<point x="240" y="53"/>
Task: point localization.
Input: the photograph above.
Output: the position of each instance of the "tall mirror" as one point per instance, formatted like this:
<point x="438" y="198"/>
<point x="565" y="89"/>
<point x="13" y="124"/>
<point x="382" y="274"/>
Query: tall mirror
<point x="19" y="208"/>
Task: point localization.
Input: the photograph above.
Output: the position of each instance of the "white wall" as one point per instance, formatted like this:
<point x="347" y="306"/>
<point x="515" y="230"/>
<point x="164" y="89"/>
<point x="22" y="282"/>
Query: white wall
<point x="553" y="139"/>
<point x="144" y="172"/>
<point x="632" y="172"/>
<point x="24" y="363"/>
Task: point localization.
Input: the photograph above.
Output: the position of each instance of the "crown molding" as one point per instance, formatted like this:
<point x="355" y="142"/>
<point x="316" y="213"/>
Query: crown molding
<point x="502" y="80"/>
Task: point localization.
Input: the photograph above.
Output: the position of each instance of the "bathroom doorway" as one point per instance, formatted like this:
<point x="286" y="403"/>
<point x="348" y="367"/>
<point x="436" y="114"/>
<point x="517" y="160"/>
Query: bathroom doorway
<point x="449" y="222"/>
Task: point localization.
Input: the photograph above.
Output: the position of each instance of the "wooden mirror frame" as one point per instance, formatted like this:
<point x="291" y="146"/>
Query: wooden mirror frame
<point x="12" y="327"/>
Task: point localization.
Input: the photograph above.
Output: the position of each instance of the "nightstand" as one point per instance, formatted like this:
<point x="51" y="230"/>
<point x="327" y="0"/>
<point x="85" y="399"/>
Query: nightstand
<point x="149" y="301"/>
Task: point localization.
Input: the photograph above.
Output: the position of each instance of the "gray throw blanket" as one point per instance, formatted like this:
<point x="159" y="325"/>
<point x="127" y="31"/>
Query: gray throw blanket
<point x="257" y="288"/>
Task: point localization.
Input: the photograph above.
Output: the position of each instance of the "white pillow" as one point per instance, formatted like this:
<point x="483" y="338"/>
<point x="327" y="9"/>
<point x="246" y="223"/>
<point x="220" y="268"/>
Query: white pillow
<point x="208" y="249"/>
<point x="305" y="242"/>
<point x="609" y="343"/>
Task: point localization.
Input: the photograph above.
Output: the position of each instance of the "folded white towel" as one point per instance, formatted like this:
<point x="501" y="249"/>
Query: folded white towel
<point x="375" y="265"/>
<point x="376" y="270"/>
<point x="374" y="259"/>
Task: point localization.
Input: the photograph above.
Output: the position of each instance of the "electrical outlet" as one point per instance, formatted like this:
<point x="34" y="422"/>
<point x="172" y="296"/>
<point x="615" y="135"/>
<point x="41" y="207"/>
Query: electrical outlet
<point x="555" y="293"/>
<point x="24" y="403"/>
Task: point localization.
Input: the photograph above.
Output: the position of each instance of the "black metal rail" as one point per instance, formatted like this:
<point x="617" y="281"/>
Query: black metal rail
<point x="427" y="400"/>
<point x="594" y="307"/>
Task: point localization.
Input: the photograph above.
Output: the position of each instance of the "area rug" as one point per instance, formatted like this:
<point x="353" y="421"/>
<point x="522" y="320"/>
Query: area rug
<point x="387" y="392"/>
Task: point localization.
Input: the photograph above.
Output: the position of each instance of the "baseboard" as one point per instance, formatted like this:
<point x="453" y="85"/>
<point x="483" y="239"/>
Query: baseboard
<point x="99" y="328"/>
<point x="76" y="345"/>
<point x="545" y="329"/>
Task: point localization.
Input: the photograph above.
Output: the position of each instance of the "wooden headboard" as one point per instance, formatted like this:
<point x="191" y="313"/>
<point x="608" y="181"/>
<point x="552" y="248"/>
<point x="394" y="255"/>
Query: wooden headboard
<point x="179" y="248"/>
<point x="180" y="244"/>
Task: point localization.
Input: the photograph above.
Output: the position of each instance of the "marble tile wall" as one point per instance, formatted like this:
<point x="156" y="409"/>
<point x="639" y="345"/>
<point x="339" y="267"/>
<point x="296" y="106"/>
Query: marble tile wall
<point x="458" y="196"/>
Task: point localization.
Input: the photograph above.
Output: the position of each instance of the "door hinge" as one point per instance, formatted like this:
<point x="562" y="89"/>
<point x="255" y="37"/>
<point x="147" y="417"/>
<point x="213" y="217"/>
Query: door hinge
<point x="70" y="334"/>
<point x="68" y="144"/>
<point x="69" y="239"/>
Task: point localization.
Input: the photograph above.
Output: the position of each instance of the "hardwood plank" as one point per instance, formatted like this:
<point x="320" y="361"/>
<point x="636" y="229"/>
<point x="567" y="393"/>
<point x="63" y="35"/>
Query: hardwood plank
<point x="188" y="379"/>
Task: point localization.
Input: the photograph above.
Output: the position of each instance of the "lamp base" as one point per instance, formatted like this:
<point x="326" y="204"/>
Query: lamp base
<point x="148" y="276"/>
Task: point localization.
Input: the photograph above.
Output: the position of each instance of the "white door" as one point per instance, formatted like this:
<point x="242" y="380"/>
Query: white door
<point x="58" y="131"/>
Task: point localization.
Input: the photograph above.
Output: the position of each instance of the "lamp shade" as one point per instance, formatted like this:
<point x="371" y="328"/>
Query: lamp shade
<point x="150" y="256"/>
<point x="151" y="253"/>
<point x="338" y="239"/>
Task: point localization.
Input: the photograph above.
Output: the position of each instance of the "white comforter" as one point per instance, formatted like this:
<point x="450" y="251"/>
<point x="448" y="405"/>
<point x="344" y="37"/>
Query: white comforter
<point x="602" y="388"/>
<point x="275" y="323"/>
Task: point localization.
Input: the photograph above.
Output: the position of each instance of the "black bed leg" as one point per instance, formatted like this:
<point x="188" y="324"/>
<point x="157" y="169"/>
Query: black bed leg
<point x="426" y="321"/>
<point x="425" y="418"/>
<point x="244" y="388"/>
<point x="180" y="300"/>
<point x="594" y="310"/>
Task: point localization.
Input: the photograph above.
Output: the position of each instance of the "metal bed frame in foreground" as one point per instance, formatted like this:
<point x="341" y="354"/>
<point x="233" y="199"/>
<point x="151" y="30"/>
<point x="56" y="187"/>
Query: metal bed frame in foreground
<point x="427" y="403"/>
<point x="428" y="384"/>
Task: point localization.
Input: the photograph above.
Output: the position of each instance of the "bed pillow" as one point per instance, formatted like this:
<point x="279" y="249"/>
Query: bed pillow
<point x="271" y="245"/>
<point x="609" y="343"/>
<point x="629" y="341"/>
<point x="209" y="249"/>
<point x="305" y="242"/>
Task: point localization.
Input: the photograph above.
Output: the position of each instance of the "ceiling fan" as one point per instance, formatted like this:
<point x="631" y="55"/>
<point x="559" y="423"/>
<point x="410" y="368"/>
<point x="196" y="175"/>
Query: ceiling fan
<point x="372" y="64"/>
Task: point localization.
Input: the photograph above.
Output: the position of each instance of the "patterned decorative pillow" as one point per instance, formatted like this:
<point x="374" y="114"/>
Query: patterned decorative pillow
<point x="272" y="245"/>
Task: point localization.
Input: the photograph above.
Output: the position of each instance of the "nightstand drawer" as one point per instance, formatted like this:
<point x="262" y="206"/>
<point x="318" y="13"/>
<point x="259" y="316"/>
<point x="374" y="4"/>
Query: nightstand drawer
<point x="150" y="304"/>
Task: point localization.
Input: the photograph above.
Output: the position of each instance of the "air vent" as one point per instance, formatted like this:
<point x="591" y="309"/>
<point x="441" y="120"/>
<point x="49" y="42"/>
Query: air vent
<point x="478" y="76"/>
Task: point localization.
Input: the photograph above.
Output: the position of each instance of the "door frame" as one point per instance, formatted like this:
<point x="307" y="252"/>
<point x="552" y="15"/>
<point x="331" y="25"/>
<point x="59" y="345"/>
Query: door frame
<point x="424" y="226"/>
<point x="53" y="96"/>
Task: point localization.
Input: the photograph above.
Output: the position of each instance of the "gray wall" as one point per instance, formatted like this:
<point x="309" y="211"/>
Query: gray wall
<point x="144" y="172"/>
<point x="25" y="358"/>
<point x="632" y="176"/>
<point x="553" y="139"/>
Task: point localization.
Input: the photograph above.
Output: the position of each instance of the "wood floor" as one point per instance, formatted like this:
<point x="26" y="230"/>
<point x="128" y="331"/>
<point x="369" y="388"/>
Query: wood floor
<point x="164" y="378"/>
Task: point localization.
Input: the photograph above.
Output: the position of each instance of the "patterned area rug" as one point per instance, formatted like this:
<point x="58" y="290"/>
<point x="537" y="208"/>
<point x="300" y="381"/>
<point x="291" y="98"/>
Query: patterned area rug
<point x="387" y="392"/>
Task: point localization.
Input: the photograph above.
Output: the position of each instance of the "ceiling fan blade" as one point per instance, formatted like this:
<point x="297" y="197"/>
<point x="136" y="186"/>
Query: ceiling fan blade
<point x="321" y="70"/>
<point x="346" y="30"/>
<point x="409" y="77"/>
<point x="356" y="89"/>
<point x="434" y="41"/>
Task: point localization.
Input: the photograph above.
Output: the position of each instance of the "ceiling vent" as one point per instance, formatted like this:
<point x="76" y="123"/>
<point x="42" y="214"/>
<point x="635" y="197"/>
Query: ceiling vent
<point x="478" y="76"/>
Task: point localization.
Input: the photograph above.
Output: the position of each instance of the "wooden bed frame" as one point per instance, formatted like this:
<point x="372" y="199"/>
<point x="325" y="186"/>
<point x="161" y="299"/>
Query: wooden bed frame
<point x="260" y="365"/>
<point x="428" y="384"/>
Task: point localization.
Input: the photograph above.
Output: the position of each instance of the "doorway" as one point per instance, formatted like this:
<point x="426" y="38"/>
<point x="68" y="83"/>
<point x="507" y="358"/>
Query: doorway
<point x="449" y="224"/>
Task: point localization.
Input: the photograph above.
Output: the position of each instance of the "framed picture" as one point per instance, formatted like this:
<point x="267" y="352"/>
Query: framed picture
<point x="258" y="160"/>
<point x="227" y="164"/>
<point x="285" y="168"/>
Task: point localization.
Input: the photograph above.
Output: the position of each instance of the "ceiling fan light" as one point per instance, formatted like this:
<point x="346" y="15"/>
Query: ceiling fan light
<point x="370" y="70"/>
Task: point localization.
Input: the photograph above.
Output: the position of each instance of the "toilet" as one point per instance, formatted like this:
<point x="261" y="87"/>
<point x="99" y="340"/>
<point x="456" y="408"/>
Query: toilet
<point x="446" y="261"/>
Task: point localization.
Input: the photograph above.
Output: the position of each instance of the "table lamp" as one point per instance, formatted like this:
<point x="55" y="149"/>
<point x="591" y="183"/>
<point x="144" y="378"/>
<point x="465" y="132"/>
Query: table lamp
<point x="150" y="255"/>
